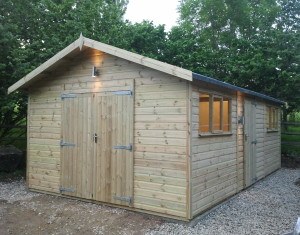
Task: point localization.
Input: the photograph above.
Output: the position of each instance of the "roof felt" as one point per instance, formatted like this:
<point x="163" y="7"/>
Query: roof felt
<point x="214" y="81"/>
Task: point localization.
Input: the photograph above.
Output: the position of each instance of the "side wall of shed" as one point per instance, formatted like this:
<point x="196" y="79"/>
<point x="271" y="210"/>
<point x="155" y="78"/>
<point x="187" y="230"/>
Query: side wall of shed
<point x="160" y="165"/>
<point x="160" y="128"/>
<point x="44" y="134"/>
<point x="214" y="162"/>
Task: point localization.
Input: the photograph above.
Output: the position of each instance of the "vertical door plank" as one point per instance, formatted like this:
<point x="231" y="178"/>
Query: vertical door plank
<point x="84" y="150"/>
<point x="129" y="139"/>
<point x="79" y="159"/>
<point x="114" y="142"/>
<point x="119" y="151"/>
<point x="108" y="151"/>
<point x="102" y="131"/>
<point x="64" y="151"/>
<point x="72" y="163"/>
<point x="95" y="149"/>
<point x="90" y="156"/>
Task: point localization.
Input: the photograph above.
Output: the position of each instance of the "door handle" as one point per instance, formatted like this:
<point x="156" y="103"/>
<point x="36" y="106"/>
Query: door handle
<point x="95" y="137"/>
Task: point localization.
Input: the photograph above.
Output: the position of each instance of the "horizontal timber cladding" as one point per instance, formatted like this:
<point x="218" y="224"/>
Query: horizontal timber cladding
<point x="160" y="127"/>
<point x="160" y="165"/>
<point x="215" y="168"/>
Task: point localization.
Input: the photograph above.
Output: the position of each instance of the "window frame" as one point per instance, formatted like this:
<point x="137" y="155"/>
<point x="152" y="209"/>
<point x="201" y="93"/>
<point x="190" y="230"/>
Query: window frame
<point x="211" y="131"/>
<point x="272" y="118"/>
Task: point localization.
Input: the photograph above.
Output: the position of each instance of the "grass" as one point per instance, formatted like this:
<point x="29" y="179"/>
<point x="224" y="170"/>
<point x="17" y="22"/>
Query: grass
<point x="294" y="148"/>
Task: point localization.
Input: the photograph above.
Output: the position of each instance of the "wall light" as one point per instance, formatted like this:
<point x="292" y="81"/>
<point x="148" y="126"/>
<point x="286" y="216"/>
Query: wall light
<point x="95" y="72"/>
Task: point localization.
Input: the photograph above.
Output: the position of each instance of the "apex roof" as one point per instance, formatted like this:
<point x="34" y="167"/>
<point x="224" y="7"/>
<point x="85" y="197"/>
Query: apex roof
<point x="82" y="42"/>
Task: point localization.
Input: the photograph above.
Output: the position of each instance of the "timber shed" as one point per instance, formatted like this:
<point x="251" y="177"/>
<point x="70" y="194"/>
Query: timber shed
<point x="111" y="126"/>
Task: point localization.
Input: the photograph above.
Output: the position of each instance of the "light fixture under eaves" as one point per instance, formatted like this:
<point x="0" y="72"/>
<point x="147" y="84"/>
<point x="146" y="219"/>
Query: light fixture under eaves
<point x="95" y="72"/>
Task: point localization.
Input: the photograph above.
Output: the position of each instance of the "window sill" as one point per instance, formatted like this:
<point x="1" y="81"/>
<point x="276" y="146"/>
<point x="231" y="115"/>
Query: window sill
<point x="272" y="130"/>
<point x="215" y="134"/>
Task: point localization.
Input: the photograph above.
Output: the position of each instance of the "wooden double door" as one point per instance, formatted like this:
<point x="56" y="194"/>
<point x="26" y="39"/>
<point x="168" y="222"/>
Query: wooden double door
<point x="97" y="137"/>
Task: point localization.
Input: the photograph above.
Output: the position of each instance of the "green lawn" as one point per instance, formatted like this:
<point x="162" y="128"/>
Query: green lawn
<point x="293" y="148"/>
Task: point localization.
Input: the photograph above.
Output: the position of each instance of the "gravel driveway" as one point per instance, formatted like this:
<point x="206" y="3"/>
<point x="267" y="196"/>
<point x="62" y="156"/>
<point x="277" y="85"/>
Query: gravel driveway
<point x="270" y="207"/>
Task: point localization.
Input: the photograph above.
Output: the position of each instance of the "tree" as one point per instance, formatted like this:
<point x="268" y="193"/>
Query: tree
<point x="146" y="39"/>
<point x="33" y="31"/>
<point x="252" y="44"/>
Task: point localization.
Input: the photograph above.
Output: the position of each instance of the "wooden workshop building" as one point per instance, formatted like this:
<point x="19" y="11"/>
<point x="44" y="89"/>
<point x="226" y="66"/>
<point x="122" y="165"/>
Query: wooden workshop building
<point x="107" y="125"/>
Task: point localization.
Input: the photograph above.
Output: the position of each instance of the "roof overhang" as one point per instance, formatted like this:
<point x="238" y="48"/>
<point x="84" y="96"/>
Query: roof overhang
<point x="219" y="83"/>
<point x="82" y="42"/>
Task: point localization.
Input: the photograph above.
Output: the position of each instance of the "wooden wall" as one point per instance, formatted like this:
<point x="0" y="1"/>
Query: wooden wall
<point x="213" y="160"/>
<point x="161" y="145"/>
<point x="160" y="128"/>
<point x="43" y="150"/>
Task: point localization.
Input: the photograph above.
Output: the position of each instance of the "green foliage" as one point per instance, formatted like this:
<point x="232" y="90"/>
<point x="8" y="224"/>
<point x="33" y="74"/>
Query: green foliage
<point x="294" y="117"/>
<point x="10" y="106"/>
<point x="290" y="139"/>
<point x="253" y="44"/>
<point x="146" y="39"/>
<point x="33" y="31"/>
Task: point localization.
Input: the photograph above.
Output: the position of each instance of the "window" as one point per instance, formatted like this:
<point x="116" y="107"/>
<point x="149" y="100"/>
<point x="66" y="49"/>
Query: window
<point x="204" y="112"/>
<point x="273" y="114"/>
<point x="214" y="114"/>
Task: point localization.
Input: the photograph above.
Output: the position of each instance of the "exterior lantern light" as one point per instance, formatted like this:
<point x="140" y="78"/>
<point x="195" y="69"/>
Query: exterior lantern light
<point x="95" y="72"/>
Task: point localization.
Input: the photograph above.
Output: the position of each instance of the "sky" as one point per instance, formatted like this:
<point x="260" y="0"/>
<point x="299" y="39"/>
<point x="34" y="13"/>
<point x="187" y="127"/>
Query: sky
<point x="158" y="11"/>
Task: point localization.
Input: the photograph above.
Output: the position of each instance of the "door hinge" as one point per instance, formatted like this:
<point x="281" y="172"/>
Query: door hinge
<point x="66" y="144"/>
<point x="67" y="96"/>
<point x="70" y="190"/>
<point x="123" y="198"/>
<point x="254" y="142"/>
<point x="128" y="147"/>
<point x="122" y="92"/>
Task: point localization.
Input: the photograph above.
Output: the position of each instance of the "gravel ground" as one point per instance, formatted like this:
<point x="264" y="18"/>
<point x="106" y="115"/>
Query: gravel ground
<point x="15" y="191"/>
<point x="269" y="207"/>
